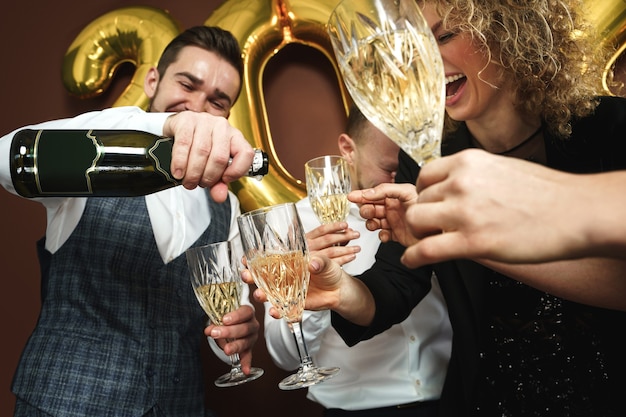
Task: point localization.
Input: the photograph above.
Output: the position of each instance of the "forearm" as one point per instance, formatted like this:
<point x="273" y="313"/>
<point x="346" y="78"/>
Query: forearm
<point x="510" y="210"/>
<point x="600" y="282"/>
<point x="331" y="288"/>
<point x="356" y="302"/>
<point x="602" y="222"/>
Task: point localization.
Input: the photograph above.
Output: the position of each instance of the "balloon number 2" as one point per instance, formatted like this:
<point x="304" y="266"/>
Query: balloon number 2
<point x="136" y="34"/>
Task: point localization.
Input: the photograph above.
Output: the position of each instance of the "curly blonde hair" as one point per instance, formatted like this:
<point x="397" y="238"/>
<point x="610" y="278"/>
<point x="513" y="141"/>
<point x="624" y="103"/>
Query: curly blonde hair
<point x="546" y="48"/>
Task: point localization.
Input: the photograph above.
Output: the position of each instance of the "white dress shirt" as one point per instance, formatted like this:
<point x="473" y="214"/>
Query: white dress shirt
<point x="406" y="363"/>
<point x="178" y="216"/>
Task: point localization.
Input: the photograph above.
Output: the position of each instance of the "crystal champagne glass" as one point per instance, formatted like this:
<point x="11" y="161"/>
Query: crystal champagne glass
<point x="390" y="63"/>
<point x="327" y="186"/>
<point x="277" y="255"/>
<point x="216" y="281"/>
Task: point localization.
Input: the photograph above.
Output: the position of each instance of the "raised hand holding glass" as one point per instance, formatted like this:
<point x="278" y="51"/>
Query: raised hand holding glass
<point x="328" y="185"/>
<point x="391" y="65"/>
<point x="277" y="255"/>
<point x="216" y="281"/>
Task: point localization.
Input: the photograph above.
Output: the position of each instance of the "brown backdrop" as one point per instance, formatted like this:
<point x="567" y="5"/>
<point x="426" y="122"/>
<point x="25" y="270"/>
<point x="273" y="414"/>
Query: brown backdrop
<point x="305" y="113"/>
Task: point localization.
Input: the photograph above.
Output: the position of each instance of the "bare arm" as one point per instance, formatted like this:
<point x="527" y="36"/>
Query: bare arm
<point x="491" y="217"/>
<point x="513" y="211"/>
<point x="600" y="282"/>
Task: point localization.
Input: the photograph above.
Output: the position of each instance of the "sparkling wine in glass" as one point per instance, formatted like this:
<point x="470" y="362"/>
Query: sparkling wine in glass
<point x="390" y="63"/>
<point x="327" y="186"/>
<point x="216" y="281"/>
<point x="277" y="256"/>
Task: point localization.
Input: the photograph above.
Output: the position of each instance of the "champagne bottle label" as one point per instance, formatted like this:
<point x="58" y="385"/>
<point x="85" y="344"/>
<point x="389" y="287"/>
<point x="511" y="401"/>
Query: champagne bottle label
<point x="90" y="162"/>
<point x="95" y="163"/>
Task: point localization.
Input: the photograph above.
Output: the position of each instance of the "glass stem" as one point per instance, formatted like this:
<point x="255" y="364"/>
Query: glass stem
<point x="235" y="363"/>
<point x="305" y="360"/>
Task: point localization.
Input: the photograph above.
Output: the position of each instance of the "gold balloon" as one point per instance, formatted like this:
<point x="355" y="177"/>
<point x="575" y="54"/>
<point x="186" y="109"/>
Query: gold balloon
<point x="131" y="34"/>
<point x="609" y="17"/>
<point x="263" y="28"/>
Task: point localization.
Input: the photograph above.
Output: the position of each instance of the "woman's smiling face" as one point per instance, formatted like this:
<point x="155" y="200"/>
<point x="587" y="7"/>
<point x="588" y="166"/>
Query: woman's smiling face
<point x="474" y="86"/>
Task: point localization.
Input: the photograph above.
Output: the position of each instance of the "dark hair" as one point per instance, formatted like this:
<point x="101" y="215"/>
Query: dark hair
<point x="356" y="123"/>
<point x="210" y="38"/>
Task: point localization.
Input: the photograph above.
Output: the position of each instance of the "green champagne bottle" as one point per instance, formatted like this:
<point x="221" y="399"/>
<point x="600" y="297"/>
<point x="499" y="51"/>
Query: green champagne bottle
<point x="96" y="163"/>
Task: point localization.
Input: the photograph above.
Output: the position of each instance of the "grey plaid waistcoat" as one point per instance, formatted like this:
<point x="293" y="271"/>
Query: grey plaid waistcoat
<point x="119" y="332"/>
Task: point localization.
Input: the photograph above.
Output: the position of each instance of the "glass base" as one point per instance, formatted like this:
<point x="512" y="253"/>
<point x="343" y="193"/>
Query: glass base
<point x="236" y="377"/>
<point x="307" y="376"/>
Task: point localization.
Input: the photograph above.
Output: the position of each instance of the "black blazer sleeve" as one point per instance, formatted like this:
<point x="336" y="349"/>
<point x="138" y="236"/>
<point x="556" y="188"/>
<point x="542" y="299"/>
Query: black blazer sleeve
<point x="395" y="288"/>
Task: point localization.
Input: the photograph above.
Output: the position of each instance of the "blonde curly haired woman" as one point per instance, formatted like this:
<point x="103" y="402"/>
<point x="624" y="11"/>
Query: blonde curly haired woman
<point x="524" y="81"/>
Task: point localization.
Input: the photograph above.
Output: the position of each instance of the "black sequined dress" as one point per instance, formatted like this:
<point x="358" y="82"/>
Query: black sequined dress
<point x="516" y="351"/>
<point x="544" y="356"/>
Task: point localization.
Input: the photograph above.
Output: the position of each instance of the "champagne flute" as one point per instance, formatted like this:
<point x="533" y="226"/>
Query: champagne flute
<point x="327" y="186"/>
<point x="390" y="63"/>
<point x="277" y="255"/>
<point x="216" y="281"/>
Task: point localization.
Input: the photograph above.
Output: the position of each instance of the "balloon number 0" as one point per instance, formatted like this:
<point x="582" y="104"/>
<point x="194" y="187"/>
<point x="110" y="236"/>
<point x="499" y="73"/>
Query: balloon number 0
<point x="263" y="29"/>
